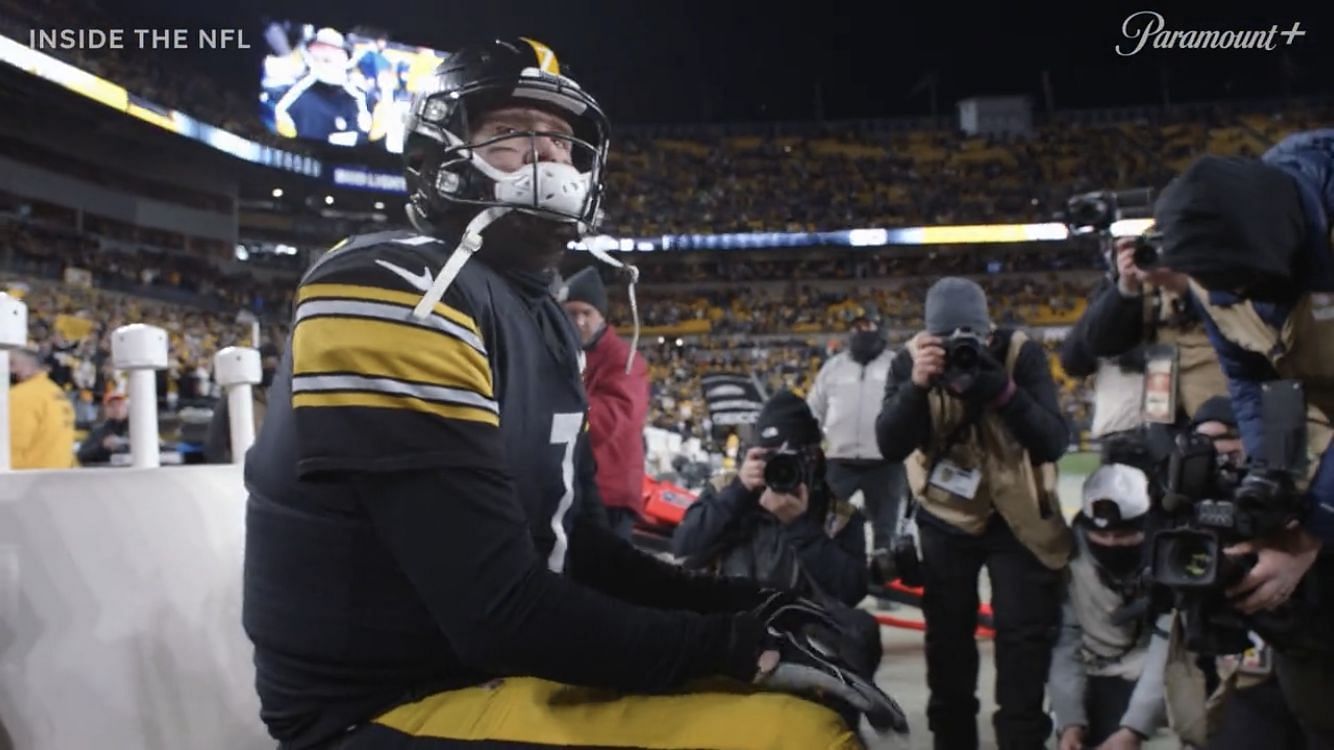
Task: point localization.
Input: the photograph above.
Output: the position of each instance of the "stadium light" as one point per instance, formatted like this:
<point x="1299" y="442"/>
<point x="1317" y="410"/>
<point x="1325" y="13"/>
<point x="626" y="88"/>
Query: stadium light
<point x="328" y="200"/>
<point x="277" y="192"/>
<point x="868" y="237"/>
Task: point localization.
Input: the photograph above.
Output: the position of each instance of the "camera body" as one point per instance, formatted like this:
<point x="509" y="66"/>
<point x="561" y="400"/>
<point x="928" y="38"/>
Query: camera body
<point x="1148" y="250"/>
<point x="963" y="356"/>
<point x="787" y="469"/>
<point x="907" y="563"/>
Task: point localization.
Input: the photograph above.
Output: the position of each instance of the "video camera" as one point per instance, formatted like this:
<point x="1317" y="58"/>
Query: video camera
<point x="1098" y="210"/>
<point x="1208" y="506"/>
<point x="1095" y="213"/>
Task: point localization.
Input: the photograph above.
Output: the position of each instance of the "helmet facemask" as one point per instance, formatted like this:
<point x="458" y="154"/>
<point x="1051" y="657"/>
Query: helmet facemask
<point x="450" y="177"/>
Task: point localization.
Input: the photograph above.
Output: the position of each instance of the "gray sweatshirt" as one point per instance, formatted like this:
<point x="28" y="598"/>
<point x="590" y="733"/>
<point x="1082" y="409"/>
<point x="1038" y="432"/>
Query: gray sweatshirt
<point x="846" y="400"/>
<point x="1090" y="645"/>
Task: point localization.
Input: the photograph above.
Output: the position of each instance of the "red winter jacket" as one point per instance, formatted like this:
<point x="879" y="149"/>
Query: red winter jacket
<point x="617" y="410"/>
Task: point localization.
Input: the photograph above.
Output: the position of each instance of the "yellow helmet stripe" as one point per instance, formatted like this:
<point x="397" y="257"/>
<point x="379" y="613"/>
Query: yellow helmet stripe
<point x="546" y="58"/>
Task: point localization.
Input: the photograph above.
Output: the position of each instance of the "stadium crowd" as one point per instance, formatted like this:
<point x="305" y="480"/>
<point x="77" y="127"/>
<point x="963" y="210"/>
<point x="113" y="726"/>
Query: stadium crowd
<point x="812" y="177"/>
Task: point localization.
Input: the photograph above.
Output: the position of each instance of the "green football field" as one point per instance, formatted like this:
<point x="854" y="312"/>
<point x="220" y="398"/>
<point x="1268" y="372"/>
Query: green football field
<point x="1079" y="464"/>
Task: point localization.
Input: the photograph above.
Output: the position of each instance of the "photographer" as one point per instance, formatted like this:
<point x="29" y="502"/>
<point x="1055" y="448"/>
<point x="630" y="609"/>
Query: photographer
<point x="973" y="410"/>
<point x="759" y="526"/>
<point x="800" y="539"/>
<point x="1135" y="308"/>
<point x="1107" y="669"/>
<point x="1247" y="709"/>
<point x="1254" y="237"/>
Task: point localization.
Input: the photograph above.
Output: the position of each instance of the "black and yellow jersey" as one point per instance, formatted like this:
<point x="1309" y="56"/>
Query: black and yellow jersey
<point x="375" y="389"/>
<point x="411" y="525"/>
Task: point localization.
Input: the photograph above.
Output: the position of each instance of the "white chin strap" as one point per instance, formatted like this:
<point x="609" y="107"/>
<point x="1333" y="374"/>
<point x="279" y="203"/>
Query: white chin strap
<point x="602" y="255"/>
<point x="548" y="185"/>
<point x="470" y="243"/>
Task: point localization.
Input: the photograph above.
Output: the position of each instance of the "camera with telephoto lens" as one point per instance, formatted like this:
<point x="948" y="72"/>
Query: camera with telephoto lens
<point x="786" y="470"/>
<point x="1207" y="506"/>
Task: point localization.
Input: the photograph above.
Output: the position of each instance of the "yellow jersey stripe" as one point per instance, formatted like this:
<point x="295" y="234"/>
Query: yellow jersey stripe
<point x="380" y="294"/>
<point x="386" y="401"/>
<point x="714" y="714"/>
<point x="381" y="348"/>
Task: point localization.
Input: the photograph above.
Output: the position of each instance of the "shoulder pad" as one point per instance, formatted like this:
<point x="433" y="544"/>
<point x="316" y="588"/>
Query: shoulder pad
<point x="400" y="247"/>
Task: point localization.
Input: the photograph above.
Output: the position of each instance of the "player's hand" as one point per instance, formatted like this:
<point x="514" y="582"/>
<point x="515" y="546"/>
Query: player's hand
<point x="751" y="472"/>
<point x="1282" y="561"/>
<point x="928" y="359"/>
<point x="1130" y="277"/>
<point x="1072" y="738"/>
<point x="806" y="663"/>
<point x="1121" y="739"/>
<point x="786" y="508"/>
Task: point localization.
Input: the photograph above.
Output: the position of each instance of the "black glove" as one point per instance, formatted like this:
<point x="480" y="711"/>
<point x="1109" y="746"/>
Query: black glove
<point x="990" y="381"/>
<point x="809" y="643"/>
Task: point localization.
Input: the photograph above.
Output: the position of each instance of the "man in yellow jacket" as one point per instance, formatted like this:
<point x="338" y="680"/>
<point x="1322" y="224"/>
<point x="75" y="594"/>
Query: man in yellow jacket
<point x="41" y="417"/>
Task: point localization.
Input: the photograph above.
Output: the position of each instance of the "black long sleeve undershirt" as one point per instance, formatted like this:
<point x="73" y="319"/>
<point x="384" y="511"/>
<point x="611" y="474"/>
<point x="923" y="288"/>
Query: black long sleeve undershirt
<point x="472" y="560"/>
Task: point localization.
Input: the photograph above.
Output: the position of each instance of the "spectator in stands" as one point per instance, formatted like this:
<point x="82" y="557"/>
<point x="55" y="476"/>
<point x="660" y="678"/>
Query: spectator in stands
<point x="110" y="437"/>
<point x="981" y="445"/>
<point x="218" y="443"/>
<point x="845" y="399"/>
<point x="616" y="379"/>
<point x="41" y="417"/>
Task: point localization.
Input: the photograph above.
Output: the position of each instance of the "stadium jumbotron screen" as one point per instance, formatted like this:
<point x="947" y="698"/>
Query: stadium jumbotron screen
<point x="346" y="89"/>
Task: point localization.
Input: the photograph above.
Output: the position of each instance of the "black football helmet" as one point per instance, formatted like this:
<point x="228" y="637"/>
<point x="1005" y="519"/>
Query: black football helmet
<point x="447" y="178"/>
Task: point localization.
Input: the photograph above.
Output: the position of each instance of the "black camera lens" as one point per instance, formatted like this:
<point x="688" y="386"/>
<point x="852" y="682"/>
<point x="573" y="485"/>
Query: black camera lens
<point x="784" y="473"/>
<point x="1191" y="559"/>
<point x="1145" y="256"/>
<point x="963" y="357"/>
<point x="1186" y="559"/>
<point x="1148" y="250"/>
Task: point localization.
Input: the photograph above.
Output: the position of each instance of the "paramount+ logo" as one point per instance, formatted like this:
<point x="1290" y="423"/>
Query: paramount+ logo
<point x="1147" y="28"/>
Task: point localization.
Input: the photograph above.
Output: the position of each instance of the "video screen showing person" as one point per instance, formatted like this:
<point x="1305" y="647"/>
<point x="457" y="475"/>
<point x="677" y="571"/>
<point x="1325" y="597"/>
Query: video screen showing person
<point x="346" y="89"/>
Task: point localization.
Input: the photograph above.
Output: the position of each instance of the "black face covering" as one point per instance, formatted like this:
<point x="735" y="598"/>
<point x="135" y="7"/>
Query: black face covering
<point x="1119" y="562"/>
<point x="865" y="346"/>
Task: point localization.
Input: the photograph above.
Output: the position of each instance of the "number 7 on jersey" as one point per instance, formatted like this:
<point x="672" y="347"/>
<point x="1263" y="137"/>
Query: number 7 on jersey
<point x="564" y="432"/>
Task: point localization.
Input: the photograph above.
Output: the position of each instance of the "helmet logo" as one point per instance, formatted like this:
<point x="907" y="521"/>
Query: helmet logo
<point x="546" y="58"/>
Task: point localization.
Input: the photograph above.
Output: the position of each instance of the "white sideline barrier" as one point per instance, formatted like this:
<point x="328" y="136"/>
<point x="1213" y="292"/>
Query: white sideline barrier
<point x="120" y="611"/>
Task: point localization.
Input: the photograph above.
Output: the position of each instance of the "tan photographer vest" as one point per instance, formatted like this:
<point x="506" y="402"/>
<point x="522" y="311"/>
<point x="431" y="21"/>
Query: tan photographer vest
<point x="1303" y="350"/>
<point x="1199" y="376"/>
<point x="1023" y="494"/>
